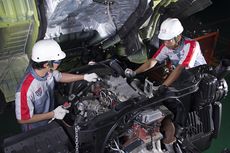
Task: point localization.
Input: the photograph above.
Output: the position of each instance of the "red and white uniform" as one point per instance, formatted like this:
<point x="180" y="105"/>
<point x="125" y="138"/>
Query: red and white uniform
<point x="188" y="54"/>
<point x="34" y="95"/>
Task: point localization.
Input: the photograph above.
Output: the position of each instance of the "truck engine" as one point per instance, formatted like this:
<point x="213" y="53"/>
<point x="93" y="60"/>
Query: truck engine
<point x="141" y="133"/>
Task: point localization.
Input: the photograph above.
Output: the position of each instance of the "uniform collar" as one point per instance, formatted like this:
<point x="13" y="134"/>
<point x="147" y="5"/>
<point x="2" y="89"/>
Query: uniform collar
<point x="34" y="74"/>
<point x="181" y="45"/>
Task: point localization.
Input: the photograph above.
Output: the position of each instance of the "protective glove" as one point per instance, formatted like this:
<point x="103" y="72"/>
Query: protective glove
<point x="130" y="73"/>
<point x="60" y="112"/>
<point x="92" y="77"/>
<point x="161" y="90"/>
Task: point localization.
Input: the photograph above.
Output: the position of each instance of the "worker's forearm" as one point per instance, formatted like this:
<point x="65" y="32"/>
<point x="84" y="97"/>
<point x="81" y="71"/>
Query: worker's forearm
<point x="173" y="76"/>
<point x="37" y="118"/>
<point x="147" y="65"/>
<point x="66" y="77"/>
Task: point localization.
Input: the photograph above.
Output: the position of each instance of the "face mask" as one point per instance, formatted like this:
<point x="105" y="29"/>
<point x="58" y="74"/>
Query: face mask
<point x="57" y="62"/>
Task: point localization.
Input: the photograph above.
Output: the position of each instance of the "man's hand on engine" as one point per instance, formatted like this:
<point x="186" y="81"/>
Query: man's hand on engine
<point x="92" y="77"/>
<point x="130" y="73"/>
<point x="161" y="90"/>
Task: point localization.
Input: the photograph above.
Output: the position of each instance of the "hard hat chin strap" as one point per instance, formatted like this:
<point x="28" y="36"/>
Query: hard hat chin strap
<point x="177" y="39"/>
<point x="50" y="64"/>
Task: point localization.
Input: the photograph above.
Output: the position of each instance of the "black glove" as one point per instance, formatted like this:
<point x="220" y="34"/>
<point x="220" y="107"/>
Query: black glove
<point x="161" y="90"/>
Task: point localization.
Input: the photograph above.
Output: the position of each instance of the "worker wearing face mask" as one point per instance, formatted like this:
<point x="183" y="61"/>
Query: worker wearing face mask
<point x="182" y="52"/>
<point x="34" y="103"/>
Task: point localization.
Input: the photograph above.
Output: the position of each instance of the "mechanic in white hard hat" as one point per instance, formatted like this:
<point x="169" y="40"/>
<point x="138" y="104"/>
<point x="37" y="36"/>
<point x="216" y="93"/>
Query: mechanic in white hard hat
<point x="34" y="103"/>
<point x="184" y="53"/>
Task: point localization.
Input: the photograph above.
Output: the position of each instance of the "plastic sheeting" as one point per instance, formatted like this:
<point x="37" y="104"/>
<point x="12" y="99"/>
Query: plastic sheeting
<point x="70" y="16"/>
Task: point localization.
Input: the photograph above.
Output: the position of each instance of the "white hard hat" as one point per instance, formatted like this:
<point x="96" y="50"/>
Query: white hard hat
<point x="170" y="28"/>
<point x="47" y="50"/>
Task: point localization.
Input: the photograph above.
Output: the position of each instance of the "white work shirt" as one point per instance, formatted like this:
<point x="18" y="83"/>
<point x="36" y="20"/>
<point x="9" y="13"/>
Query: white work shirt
<point x="188" y="54"/>
<point x="34" y="95"/>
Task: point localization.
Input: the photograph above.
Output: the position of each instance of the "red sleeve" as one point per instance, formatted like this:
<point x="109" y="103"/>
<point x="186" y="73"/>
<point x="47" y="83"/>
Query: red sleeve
<point x="25" y="112"/>
<point x="190" y="52"/>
